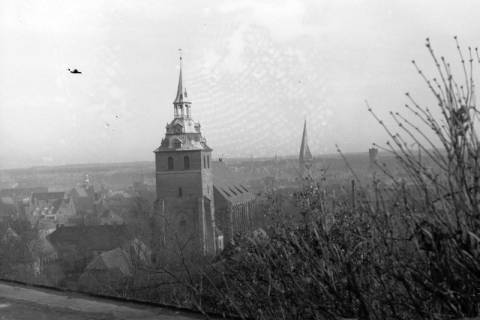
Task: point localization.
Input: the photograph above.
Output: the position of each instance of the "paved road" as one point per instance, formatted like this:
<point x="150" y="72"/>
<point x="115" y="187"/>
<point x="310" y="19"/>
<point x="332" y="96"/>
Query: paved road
<point x="24" y="303"/>
<point x="17" y="310"/>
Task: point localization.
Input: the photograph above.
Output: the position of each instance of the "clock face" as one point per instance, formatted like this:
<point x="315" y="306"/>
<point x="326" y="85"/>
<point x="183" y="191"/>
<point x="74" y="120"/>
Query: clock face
<point x="178" y="129"/>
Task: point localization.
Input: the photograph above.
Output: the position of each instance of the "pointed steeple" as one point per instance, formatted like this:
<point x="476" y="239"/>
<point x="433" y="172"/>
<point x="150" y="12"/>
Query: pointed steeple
<point x="305" y="154"/>
<point x="182" y="133"/>
<point x="305" y="159"/>
<point x="181" y="92"/>
<point x="181" y="103"/>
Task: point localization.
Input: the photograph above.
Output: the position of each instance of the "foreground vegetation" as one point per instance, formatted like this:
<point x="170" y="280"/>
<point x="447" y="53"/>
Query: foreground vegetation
<point x="397" y="249"/>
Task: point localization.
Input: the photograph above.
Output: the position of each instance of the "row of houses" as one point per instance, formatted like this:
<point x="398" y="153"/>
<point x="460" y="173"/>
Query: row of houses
<point x="90" y="258"/>
<point x="45" y="209"/>
<point x="73" y="237"/>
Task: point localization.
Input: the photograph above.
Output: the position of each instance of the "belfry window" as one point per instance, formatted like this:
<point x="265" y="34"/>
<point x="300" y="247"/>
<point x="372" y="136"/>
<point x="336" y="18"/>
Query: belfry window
<point x="186" y="162"/>
<point x="170" y="163"/>
<point x="208" y="161"/>
<point x="204" y="162"/>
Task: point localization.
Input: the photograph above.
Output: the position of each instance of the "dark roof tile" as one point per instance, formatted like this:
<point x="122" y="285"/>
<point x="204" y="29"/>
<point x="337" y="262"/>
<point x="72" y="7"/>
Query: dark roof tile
<point x="101" y="237"/>
<point x="229" y="185"/>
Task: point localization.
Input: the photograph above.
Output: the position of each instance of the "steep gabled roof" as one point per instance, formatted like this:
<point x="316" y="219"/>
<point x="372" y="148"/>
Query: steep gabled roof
<point x="228" y="185"/>
<point x="110" y="260"/>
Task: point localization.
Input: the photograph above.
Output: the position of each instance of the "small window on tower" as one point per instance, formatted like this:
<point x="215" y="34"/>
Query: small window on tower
<point x="208" y="161"/>
<point x="204" y="162"/>
<point x="180" y="192"/>
<point x="183" y="223"/>
<point x="186" y="162"/>
<point x="170" y="163"/>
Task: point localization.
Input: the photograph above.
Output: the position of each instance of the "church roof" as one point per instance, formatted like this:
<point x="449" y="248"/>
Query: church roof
<point x="182" y="133"/>
<point x="230" y="187"/>
<point x="186" y="144"/>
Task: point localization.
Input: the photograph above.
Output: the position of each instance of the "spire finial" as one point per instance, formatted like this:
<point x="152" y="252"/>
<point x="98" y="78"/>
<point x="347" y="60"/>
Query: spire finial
<point x="180" y="56"/>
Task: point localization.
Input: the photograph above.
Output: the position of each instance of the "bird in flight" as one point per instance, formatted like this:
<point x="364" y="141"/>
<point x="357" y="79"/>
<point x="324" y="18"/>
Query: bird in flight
<point x="74" y="71"/>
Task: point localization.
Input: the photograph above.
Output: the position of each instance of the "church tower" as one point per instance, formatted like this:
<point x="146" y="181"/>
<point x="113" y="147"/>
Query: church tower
<point x="305" y="160"/>
<point x="184" y="184"/>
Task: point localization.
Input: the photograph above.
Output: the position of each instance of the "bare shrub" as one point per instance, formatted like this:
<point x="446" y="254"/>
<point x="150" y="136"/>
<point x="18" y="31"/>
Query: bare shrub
<point x="401" y="249"/>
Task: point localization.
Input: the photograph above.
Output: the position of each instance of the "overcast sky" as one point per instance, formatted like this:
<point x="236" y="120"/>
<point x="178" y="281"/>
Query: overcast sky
<point x="254" y="71"/>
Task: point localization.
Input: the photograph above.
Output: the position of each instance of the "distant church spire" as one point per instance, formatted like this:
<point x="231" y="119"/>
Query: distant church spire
<point x="305" y="159"/>
<point x="181" y="103"/>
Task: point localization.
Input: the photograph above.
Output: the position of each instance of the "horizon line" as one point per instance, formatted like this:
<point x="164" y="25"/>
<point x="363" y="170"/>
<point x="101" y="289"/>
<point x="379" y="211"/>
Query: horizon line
<point x="217" y="159"/>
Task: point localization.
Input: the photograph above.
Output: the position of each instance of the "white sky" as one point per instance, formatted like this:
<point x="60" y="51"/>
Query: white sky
<point x="253" y="69"/>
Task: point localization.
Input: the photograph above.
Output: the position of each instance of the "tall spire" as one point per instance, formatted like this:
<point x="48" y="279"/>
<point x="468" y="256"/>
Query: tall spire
<point x="181" y="103"/>
<point x="305" y="158"/>
<point x="305" y="154"/>
<point x="180" y="92"/>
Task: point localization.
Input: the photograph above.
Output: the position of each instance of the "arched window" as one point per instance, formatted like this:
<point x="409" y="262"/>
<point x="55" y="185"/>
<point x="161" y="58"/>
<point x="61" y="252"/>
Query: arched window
<point x="208" y="161"/>
<point x="170" y="163"/>
<point x="180" y="192"/>
<point x="186" y="162"/>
